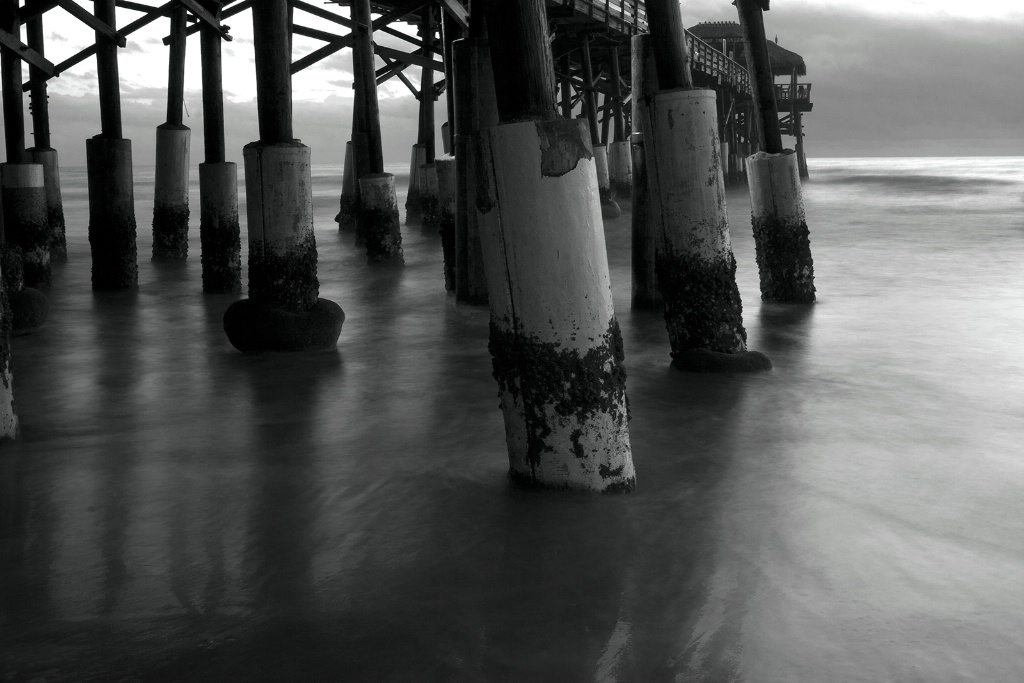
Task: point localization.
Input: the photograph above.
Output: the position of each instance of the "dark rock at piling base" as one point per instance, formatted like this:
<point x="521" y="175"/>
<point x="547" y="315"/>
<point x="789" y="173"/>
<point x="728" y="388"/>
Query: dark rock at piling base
<point x="705" y="360"/>
<point x="170" y="233"/>
<point x="29" y="310"/>
<point x="784" y="262"/>
<point x="701" y="302"/>
<point x="257" y="327"/>
<point x="610" y="209"/>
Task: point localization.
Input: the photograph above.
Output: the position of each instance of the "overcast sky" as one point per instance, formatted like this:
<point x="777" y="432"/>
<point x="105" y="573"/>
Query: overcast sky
<point x="890" y="77"/>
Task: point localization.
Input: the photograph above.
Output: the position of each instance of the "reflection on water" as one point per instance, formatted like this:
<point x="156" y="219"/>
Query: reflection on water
<point x="178" y="511"/>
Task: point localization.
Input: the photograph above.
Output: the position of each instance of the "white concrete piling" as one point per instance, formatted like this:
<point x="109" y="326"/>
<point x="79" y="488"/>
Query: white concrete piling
<point x="555" y="343"/>
<point x="781" y="237"/>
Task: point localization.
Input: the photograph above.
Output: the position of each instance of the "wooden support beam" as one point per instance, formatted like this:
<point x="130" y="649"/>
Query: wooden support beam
<point x="427" y="96"/>
<point x="10" y="83"/>
<point x="416" y="58"/>
<point x="126" y="31"/>
<point x="34" y="8"/>
<point x="40" y="105"/>
<point x="323" y="14"/>
<point x="107" y="73"/>
<point x="213" y="94"/>
<point x="521" y="58"/>
<point x="176" y="66"/>
<point x="762" y="82"/>
<point x="347" y="41"/>
<point x="204" y="17"/>
<point x="273" y="80"/>
<point x="305" y="31"/>
<point x="401" y="76"/>
<point x="456" y="11"/>
<point x="25" y="53"/>
<point x="134" y="6"/>
<point x="669" y="43"/>
<point x="589" y="98"/>
<point x="370" y="159"/>
<point x="102" y="29"/>
<point x="227" y="13"/>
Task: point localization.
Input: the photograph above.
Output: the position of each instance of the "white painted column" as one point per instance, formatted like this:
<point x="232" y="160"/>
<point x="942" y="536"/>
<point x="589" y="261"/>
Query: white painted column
<point x="696" y="268"/>
<point x="555" y="343"/>
<point x="781" y="237"/>
<point x="283" y="311"/>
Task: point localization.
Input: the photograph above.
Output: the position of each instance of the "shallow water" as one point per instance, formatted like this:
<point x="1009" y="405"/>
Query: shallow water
<point x="178" y="511"/>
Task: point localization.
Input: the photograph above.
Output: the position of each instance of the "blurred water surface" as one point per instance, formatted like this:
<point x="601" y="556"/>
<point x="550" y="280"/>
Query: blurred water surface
<point x="178" y="511"/>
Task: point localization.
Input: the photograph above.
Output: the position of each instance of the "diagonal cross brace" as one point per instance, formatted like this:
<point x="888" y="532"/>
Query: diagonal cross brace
<point x="25" y="53"/>
<point x="101" y="27"/>
<point x="204" y="16"/>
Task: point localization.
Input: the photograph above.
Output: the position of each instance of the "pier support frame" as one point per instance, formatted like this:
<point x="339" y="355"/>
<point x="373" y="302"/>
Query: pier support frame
<point x="283" y="311"/>
<point x="219" y="231"/>
<point x="446" y="201"/>
<point x="781" y="237"/>
<point x="555" y="343"/>
<point x="696" y="269"/>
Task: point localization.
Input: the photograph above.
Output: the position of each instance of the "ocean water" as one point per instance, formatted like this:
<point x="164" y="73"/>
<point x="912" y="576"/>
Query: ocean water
<point x="178" y="511"/>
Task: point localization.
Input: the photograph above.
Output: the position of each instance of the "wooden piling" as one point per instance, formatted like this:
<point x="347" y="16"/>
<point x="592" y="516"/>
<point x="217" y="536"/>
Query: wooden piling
<point x="556" y="348"/>
<point x="762" y="82"/>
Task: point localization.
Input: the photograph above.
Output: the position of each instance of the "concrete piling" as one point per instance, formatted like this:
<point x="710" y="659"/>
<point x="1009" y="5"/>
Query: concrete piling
<point x="379" y="219"/>
<point x="781" y="237"/>
<point x="283" y="311"/>
<point x="219" y="231"/>
<point x="555" y="344"/>
<point x="346" y="218"/>
<point x="54" y="203"/>
<point x="446" y="202"/>
<point x="170" y="202"/>
<point x="609" y="207"/>
<point x="620" y="168"/>
<point x="26" y="219"/>
<point x="112" y="214"/>
<point x="696" y="269"/>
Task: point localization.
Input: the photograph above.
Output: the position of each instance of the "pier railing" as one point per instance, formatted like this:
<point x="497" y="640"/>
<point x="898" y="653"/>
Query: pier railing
<point x="624" y="16"/>
<point x="784" y="93"/>
<point x="716" y="64"/>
